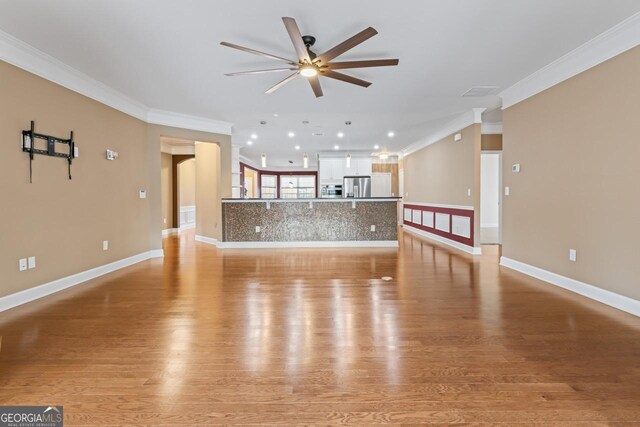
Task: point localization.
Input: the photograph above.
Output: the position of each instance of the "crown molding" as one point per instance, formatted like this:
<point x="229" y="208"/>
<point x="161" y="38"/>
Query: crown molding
<point x="28" y="58"/>
<point x="184" y="121"/>
<point x="491" y="128"/>
<point x="464" y="120"/>
<point x="613" y="42"/>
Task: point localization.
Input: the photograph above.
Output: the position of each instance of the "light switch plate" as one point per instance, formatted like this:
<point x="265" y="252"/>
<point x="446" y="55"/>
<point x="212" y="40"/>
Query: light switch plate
<point x="506" y="191"/>
<point x="573" y="255"/>
<point x="31" y="262"/>
<point x="468" y="192"/>
<point x="373" y="228"/>
<point x="258" y="229"/>
<point x="105" y="245"/>
<point x="22" y="264"/>
<point x="142" y="194"/>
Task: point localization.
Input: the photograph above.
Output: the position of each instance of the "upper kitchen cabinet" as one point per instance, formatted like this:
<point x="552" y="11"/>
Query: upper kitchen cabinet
<point x="360" y="166"/>
<point x="332" y="170"/>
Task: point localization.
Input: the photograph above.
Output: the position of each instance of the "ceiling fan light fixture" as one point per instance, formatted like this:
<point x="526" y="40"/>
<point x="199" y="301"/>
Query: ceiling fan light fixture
<point x="308" y="71"/>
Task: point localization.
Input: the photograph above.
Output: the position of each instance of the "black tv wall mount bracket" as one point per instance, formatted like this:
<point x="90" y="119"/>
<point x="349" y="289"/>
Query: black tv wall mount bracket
<point x="29" y="138"/>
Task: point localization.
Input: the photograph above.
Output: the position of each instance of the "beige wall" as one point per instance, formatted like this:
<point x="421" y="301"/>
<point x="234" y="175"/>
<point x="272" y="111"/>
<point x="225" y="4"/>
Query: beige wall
<point x="187" y="183"/>
<point x="166" y="183"/>
<point x="442" y="172"/>
<point x="492" y="142"/>
<point x="208" y="190"/>
<point x="578" y="146"/>
<point x="63" y="222"/>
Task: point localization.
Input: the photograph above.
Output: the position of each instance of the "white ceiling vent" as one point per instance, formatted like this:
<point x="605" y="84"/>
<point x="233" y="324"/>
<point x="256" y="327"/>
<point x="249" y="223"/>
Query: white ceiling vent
<point x="481" y="91"/>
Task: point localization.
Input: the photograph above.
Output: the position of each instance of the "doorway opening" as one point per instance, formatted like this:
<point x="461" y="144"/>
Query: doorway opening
<point x="490" y="198"/>
<point x="186" y="193"/>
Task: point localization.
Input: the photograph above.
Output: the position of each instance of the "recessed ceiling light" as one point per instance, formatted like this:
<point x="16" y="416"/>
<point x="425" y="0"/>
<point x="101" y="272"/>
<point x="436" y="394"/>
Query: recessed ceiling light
<point x="375" y="147"/>
<point x="291" y="134"/>
<point x="249" y="142"/>
<point x="336" y="147"/>
<point x="391" y="134"/>
<point x="340" y="134"/>
<point x="254" y="136"/>
<point x="275" y="114"/>
<point x="297" y="147"/>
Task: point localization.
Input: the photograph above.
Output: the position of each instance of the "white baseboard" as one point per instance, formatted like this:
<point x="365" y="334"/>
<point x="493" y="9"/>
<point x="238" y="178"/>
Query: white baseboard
<point x="168" y="231"/>
<point x="460" y="246"/>
<point x="156" y="253"/>
<point x="489" y="225"/>
<point x="208" y="240"/>
<point x="40" y="291"/>
<point x="273" y="245"/>
<point x="609" y="298"/>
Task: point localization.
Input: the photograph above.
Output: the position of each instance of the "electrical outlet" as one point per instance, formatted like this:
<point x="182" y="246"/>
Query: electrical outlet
<point x="507" y="191"/>
<point x="165" y="220"/>
<point x="105" y="245"/>
<point x="468" y="192"/>
<point x="373" y="228"/>
<point x="22" y="264"/>
<point x="31" y="262"/>
<point x="258" y="229"/>
<point x="573" y="255"/>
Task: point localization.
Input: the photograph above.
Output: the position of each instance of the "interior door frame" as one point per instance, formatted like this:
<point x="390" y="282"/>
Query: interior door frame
<point x="500" y="191"/>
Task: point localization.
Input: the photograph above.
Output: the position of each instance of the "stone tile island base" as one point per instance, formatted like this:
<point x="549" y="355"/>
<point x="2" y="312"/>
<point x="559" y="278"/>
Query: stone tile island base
<point x="253" y="223"/>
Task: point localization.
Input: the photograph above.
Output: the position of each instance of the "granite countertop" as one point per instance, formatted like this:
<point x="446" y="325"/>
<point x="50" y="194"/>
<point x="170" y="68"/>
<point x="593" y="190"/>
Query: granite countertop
<point x="324" y="199"/>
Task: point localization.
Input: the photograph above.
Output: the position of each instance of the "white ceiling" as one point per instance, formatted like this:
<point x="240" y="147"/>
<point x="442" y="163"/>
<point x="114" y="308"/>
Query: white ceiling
<point x="166" y="54"/>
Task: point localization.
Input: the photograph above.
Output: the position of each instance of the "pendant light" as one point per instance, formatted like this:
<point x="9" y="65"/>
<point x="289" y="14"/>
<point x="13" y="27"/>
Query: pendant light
<point x="348" y="161"/>
<point x="264" y="160"/>
<point x="305" y="161"/>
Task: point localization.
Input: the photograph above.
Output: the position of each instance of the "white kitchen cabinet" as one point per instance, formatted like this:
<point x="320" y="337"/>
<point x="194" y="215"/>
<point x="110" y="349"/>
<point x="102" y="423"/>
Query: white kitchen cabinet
<point x="360" y="166"/>
<point x="332" y="170"/>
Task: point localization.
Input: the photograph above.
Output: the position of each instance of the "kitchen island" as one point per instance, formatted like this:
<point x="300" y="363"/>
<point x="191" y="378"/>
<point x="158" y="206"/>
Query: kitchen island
<point x="370" y="222"/>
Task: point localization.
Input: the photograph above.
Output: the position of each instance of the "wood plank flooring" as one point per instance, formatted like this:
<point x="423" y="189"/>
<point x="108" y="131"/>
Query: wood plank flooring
<point x="314" y="337"/>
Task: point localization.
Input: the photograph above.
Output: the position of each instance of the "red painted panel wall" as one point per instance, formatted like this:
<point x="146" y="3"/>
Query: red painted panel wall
<point x="450" y="211"/>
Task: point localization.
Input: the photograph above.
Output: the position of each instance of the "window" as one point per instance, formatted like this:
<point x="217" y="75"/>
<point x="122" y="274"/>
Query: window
<point x="269" y="186"/>
<point x="297" y="186"/>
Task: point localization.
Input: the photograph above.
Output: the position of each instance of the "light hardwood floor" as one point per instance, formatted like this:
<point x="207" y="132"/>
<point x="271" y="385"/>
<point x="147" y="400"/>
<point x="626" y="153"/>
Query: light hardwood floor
<point x="314" y="337"/>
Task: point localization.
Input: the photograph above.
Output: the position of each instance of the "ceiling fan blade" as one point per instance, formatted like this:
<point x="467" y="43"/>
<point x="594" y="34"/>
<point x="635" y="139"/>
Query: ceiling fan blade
<point x="314" y="81"/>
<point x="296" y="38"/>
<point x="345" y="78"/>
<point x="362" y="64"/>
<point x="282" y="83"/>
<point x="272" y="70"/>
<point x="257" y="52"/>
<point x="350" y="43"/>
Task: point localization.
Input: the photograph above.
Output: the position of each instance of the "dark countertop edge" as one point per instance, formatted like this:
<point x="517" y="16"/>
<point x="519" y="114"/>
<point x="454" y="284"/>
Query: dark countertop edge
<point x="324" y="199"/>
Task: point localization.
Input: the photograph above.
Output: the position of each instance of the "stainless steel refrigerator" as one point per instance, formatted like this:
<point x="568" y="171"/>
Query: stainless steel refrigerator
<point x="356" y="186"/>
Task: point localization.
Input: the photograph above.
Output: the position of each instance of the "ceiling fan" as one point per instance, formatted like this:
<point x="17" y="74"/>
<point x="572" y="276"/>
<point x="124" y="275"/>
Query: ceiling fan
<point x="312" y="66"/>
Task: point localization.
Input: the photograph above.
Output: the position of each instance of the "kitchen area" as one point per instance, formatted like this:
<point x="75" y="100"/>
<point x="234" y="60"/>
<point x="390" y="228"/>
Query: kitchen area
<point x="350" y="201"/>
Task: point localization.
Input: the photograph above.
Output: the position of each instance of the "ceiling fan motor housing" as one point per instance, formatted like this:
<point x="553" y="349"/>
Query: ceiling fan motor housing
<point x="308" y="42"/>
